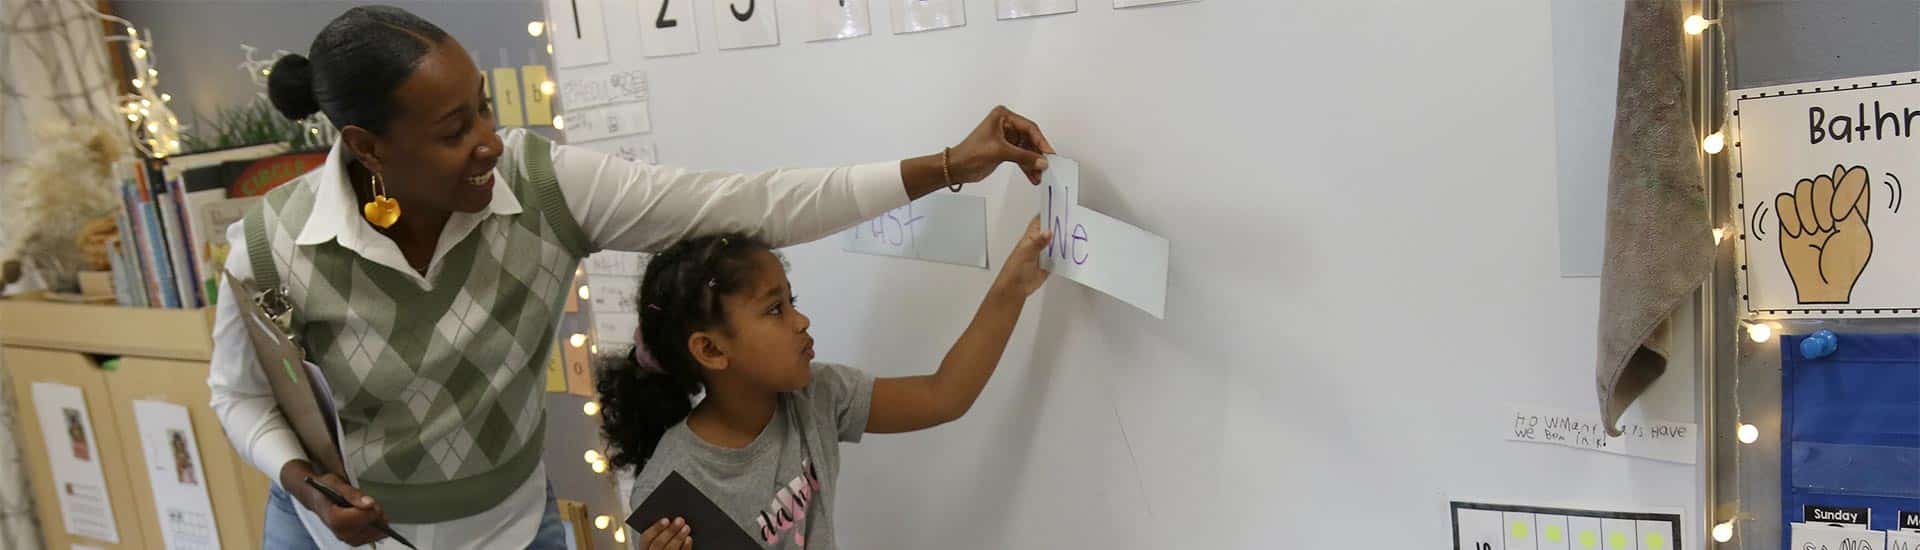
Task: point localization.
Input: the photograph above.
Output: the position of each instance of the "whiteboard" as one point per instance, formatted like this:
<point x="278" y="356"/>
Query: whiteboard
<point x="1365" y="275"/>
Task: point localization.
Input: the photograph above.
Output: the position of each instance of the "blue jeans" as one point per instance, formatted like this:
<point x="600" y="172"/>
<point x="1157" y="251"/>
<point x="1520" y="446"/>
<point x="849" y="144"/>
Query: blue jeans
<point x="283" y="530"/>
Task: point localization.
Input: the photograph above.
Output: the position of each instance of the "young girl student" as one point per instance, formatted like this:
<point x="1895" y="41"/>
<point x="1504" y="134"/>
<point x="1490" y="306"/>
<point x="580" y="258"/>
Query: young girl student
<point x="717" y="316"/>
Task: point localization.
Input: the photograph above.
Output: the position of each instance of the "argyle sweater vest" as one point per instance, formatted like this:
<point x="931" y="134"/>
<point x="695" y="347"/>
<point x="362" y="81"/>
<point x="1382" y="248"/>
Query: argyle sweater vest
<point x="440" y="390"/>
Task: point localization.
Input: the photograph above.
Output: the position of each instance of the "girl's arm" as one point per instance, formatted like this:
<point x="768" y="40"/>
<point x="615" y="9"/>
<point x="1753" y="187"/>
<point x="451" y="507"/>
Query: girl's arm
<point x="919" y="402"/>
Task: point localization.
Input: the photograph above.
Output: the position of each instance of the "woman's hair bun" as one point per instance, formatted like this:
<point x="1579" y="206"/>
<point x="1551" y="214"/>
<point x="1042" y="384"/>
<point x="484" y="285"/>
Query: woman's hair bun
<point x="290" y="87"/>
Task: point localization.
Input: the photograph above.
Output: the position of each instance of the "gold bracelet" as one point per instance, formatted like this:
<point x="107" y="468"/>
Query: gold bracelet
<point x="946" y="169"/>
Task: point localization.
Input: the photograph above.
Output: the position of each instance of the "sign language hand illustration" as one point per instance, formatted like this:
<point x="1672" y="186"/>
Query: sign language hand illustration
<point x="1824" y="239"/>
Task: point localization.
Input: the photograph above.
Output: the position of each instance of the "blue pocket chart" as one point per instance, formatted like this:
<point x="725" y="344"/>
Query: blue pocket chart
<point x="1850" y="430"/>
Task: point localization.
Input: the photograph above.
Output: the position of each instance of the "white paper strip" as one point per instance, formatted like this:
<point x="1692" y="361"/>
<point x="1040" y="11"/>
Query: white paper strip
<point x="1095" y="250"/>
<point x="607" y="122"/>
<point x="944" y="228"/>
<point x="586" y="88"/>
<point x="1667" y="441"/>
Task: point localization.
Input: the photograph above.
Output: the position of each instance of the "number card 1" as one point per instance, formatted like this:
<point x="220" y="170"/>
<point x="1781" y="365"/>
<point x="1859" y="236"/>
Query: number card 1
<point x="579" y="35"/>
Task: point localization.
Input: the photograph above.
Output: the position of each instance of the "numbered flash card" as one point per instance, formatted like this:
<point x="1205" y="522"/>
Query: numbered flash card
<point x="745" y="23"/>
<point x="666" y="28"/>
<point x="1015" y="9"/>
<point x="910" y="16"/>
<point x="840" y="19"/>
<point x="579" y="35"/>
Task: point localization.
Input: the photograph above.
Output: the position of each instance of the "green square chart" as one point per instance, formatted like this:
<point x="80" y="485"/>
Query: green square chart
<point x="1480" y="526"/>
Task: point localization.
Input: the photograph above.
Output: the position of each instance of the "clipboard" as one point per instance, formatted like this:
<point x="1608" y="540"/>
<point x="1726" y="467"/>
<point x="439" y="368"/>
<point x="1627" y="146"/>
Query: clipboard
<point x="298" y="386"/>
<point x="677" y="498"/>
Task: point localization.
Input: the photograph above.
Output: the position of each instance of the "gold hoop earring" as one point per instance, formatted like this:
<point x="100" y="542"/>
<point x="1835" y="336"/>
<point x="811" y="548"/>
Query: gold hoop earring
<point x="382" y="211"/>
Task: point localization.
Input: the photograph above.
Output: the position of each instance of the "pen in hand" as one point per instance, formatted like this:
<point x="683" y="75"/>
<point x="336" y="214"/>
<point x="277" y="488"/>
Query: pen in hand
<point x="342" y="502"/>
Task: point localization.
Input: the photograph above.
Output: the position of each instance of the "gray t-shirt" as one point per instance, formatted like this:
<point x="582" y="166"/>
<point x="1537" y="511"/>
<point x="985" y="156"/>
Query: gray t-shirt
<point x="780" y="487"/>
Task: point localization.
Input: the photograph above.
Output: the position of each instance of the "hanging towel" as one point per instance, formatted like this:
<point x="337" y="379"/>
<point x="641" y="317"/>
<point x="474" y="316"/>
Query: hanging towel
<point x="1659" y="246"/>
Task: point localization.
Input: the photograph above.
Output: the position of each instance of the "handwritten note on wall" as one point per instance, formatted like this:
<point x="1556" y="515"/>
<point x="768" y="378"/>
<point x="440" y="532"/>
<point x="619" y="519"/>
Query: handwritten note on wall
<point x="1098" y="251"/>
<point x="607" y="122"/>
<point x="614" y="278"/>
<point x="1667" y="441"/>
<point x="582" y="89"/>
<point x="938" y="228"/>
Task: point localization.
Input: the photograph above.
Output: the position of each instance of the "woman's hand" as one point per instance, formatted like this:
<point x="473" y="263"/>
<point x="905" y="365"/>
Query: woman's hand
<point x="1021" y="275"/>
<point x="355" y="526"/>
<point x="1004" y="136"/>
<point x="665" y="535"/>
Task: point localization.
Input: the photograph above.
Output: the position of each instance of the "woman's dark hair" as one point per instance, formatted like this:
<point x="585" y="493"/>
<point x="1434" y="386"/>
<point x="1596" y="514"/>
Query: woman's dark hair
<point x="356" y="63"/>
<point x="680" y="294"/>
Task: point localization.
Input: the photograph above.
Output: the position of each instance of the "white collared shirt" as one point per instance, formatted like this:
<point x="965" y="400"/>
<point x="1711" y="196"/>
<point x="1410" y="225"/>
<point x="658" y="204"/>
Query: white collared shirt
<point x="619" y="204"/>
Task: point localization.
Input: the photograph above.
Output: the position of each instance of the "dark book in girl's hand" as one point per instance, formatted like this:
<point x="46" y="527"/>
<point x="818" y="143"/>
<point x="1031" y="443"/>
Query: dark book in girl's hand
<point x="677" y="498"/>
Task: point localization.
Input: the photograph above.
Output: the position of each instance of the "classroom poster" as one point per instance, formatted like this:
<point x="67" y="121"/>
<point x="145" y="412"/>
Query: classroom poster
<point x="1824" y="228"/>
<point x="174" y="470"/>
<point x="74" y="456"/>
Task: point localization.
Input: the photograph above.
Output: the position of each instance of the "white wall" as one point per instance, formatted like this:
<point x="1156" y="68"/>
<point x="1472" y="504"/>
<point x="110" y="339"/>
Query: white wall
<point x="1361" y="202"/>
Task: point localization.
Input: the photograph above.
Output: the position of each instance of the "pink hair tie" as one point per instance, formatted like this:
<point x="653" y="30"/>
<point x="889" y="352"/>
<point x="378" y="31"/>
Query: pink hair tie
<point x="640" y="354"/>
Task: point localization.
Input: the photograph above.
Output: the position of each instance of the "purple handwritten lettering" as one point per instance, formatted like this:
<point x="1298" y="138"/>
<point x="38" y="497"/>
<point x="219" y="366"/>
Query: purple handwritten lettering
<point x="1070" y="248"/>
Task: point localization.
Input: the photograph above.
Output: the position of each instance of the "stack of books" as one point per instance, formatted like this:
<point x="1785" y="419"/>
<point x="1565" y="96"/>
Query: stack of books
<point x="174" y="216"/>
